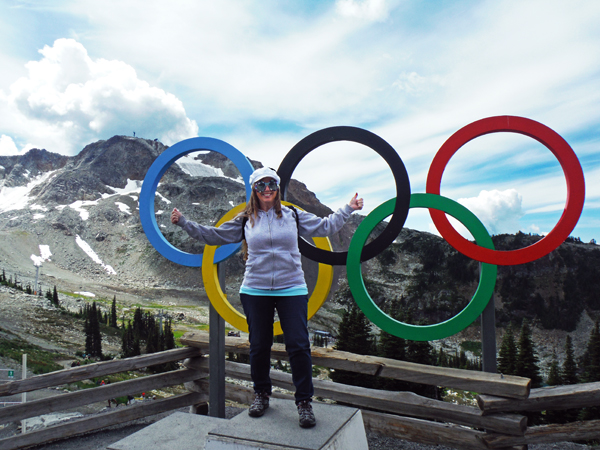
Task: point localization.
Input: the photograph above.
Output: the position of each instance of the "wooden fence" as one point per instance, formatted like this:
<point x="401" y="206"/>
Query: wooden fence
<point x="101" y="393"/>
<point x="496" y="423"/>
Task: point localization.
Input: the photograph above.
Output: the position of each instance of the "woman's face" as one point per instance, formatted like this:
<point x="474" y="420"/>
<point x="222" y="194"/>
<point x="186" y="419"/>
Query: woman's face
<point x="266" y="190"/>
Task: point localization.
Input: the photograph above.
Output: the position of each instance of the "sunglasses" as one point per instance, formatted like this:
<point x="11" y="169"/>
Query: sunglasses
<point x="260" y="186"/>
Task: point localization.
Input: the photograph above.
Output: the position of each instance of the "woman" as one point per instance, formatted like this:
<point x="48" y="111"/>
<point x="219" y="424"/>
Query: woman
<point x="274" y="280"/>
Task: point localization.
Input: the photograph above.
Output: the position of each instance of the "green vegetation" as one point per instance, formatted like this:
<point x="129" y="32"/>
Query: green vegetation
<point x="145" y="332"/>
<point x="39" y="361"/>
<point x="177" y="334"/>
<point x="471" y="346"/>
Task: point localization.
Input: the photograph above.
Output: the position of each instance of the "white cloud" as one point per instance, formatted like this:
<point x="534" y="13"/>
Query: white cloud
<point x="76" y="99"/>
<point x="375" y="10"/>
<point x="413" y="83"/>
<point x="499" y="211"/>
<point x="7" y="146"/>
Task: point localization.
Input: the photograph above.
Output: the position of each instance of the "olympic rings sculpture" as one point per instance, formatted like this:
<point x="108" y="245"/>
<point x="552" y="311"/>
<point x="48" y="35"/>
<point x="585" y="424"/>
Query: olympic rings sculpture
<point x="482" y="250"/>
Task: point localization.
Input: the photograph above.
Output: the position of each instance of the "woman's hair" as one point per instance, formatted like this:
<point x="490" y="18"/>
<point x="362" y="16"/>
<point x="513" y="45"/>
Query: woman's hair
<point x="251" y="212"/>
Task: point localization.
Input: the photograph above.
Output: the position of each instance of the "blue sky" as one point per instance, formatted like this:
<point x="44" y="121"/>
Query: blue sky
<point x="262" y="75"/>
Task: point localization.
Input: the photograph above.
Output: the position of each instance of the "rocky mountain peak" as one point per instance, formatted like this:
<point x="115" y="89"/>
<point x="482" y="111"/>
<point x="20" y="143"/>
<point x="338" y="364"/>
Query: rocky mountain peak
<point x="19" y="169"/>
<point x="117" y="159"/>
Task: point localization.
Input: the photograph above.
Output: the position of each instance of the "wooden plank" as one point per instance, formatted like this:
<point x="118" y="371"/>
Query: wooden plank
<point x="87" y="396"/>
<point x="469" y="380"/>
<point x="95" y="370"/>
<point x="547" y="434"/>
<point x="404" y="403"/>
<point x="100" y="421"/>
<point x="546" y="398"/>
<point x="482" y="382"/>
<point x="326" y="357"/>
<point x="423" y="431"/>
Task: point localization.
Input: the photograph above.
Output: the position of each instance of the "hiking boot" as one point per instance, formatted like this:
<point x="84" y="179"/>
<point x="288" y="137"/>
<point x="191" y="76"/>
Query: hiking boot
<point x="306" y="415"/>
<point x="260" y="404"/>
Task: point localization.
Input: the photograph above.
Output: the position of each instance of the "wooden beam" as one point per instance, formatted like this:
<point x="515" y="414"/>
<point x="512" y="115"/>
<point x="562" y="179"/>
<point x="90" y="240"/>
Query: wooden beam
<point x="95" y="370"/>
<point x="548" y="434"/>
<point x="320" y="356"/>
<point x="469" y="380"/>
<point x="404" y="403"/>
<point x="482" y="382"/>
<point x="546" y="398"/>
<point x="97" y="422"/>
<point x="87" y="396"/>
<point x="423" y="431"/>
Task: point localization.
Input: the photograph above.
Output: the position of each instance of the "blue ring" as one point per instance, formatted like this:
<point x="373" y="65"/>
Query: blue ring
<point x="148" y="193"/>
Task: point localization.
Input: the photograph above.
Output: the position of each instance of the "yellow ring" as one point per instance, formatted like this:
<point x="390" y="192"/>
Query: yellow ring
<point x="219" y="299"/>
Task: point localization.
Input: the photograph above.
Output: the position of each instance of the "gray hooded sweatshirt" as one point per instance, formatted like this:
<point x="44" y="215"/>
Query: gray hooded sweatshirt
<point x="273" y="255"/>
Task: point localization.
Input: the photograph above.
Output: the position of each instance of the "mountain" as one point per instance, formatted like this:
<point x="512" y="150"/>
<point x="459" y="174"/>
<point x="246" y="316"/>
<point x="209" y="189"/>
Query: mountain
<point x="84" y="208"/>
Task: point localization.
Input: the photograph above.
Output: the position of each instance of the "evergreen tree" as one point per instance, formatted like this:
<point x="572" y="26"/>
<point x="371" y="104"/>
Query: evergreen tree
<point x="96" y="337"/>
<point x="153" y="336"/>
<point x="591" y="370"/>
<point x="49" y="295"/>
<point x="169" y="336"/>
<point x="507" y="357"/>
<point x="569" y="367"/>
<point x="554" y="377"/>
<point x="526" y="358"/>
<point x="354" y="336"/>
<point x="130" y="343"/>
<point x="55" y="297"/>
<point x="113" y="313"/>
<point x="442" y="358"/>
<point x="88" y="331"/>
<point x="591" y="357"/>
<point x="139" y="324"/>
<point x="153" y="340"/>
<point x="392" y="347"/>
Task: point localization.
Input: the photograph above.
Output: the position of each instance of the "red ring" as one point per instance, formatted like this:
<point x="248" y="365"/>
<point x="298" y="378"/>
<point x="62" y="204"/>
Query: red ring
<point x="541" y="133"/>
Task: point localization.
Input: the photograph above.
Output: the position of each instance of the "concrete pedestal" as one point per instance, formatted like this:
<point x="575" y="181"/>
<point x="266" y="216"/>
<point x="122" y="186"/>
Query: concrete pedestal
<point x="180" y="431"/>
<point x="337" y="428"/>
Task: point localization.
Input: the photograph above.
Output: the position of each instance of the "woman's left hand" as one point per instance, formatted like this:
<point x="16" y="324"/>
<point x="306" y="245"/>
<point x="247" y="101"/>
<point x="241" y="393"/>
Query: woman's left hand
<point x="356" y="203"/>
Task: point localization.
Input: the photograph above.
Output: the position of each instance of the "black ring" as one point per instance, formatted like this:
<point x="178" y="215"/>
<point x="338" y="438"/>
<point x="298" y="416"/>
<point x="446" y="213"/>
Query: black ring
<point x="391" y="157"/>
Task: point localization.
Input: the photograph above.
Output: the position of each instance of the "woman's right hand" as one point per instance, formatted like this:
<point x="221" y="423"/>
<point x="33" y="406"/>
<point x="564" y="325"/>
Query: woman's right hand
<point x="175" y="215"/>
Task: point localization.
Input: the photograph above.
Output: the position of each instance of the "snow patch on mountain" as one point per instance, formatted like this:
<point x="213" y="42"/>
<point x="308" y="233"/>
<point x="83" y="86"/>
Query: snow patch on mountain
<point x="17" y="197"/>
<point x="45" y="255"/>
<point x="92" y="254"/>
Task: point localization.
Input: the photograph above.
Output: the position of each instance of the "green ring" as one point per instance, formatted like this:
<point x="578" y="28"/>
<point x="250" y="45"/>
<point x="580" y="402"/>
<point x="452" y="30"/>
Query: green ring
<point x="487" y="278"/>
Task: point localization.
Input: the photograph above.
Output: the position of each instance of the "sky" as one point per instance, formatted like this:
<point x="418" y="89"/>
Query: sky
<point x="262" y="75"/>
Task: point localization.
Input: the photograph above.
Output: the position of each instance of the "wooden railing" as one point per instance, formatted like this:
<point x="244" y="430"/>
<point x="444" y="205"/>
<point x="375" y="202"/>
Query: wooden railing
<point x="495" y="423"/>
<point x="101" y="393"/>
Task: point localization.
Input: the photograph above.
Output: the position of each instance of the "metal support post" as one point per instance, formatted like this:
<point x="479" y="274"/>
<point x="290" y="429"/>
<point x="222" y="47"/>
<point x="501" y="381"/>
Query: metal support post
<point x="488" y="337"/>
<point x="216" y="396"/>
<point x="24" y="394"/>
